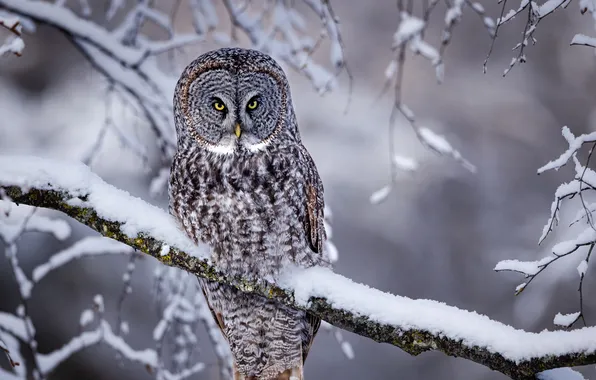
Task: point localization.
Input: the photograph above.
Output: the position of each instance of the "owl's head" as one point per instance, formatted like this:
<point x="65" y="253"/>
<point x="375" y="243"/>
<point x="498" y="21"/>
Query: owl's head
<point x="231" y="100"/>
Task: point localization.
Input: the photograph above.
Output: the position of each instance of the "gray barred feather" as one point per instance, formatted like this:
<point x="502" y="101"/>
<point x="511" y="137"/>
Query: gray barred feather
<point x="257" y="200"/>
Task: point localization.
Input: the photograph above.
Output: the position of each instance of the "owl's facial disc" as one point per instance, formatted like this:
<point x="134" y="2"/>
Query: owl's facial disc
<point x="229" y="111"/>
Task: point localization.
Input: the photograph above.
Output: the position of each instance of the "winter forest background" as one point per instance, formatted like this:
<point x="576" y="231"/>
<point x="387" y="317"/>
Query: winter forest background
<point x="437" y="235"/>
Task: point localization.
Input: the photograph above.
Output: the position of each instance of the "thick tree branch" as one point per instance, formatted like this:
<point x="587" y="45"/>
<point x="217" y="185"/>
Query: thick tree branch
<point x="415" y="326"/>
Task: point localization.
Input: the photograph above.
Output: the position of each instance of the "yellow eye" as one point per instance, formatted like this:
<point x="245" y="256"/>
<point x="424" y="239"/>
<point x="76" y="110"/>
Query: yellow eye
<point x="218" y="105"/>
<point x="253" y="104"/>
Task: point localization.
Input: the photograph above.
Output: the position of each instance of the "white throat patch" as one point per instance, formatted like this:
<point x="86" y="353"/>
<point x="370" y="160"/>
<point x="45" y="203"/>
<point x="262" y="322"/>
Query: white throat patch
<point x="226" y="147"/>
<point x="258" y="147"/>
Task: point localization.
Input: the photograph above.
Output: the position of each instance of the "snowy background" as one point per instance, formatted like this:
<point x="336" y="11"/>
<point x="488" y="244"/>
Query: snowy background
<point x="437" y="235"/>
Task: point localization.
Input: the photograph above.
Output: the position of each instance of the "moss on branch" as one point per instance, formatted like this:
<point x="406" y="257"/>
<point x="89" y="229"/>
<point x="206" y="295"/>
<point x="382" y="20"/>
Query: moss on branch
<point x="412" y="341"/>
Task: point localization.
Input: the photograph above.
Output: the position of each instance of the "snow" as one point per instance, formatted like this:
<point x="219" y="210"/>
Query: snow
<point x="566" y="320"/>
<point x="5" y="375"/>
<point x="587" y="5"/>
<point x="124" y="328"/>
<point x="511" y="14"/>
<point x="560" y="374"/>
<point x="582" y="39"/>
<point x="582" y="214"/>
<point x="115" y="5"/>
<point x="104" y="334"/>
<point x="13" y="325"/>
<point x="165" y="250"/>
<point x="575" y="143"/>
<point x="63" y="17"/>
<point x="11" y="220"/>
<point x="405" y="163"/>
<point x="440" y="144"/>
<point x="166" y="319"/>
<point x="57" y="227"/>
<point x="548" y="7"/>
<point x="391" y="69"/>
<point x="50" y="361"/>
<point x="347" y="349"/>
<point x="454" y="13"/>
<point x="25" y="286"/>
<point x="146" y="356"/>
<point x="569" y="190"/>
<point x="529" y="268"/>
<point x="135" y="215"/>
<point x="380" y="195"/>
<point x="435" y="141"/>
<point x="87" y="246"/>
<point x="87" y="317"/>
<point x="331" y="251"/>
<point x="11" y="345"/>
<point x="98" y="302"/>
<point x="138" y="216"/>
<point x="582" y="268"/>
<point x="472" y="328"/>
<point x="14" y="43"/>
<point x="408" y="27"/>
<point x="160" y="182"/>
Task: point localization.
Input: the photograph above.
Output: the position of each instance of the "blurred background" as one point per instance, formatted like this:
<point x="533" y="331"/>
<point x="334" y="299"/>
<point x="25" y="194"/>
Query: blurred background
<point x="439" y="233"/>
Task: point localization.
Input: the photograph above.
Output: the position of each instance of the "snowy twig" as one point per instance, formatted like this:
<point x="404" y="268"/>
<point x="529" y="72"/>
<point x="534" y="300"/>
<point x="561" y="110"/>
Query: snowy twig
<point x="585" y="180"/>
<point x="131" y="68"/>
<point x="535" y="13"/>
<point x="410" y="35"/>
<point x="25" y="286"/>
<point x="14" y="43"/>
<point x="412" y="325"/>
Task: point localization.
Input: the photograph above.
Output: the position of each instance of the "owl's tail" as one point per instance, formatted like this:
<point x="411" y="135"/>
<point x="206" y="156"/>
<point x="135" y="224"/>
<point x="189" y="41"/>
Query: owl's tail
<point x="295" y="373"/>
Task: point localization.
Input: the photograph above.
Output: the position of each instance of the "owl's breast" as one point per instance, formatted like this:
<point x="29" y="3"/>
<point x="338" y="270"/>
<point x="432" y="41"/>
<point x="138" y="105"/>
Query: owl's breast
<point x="253" y="220"/>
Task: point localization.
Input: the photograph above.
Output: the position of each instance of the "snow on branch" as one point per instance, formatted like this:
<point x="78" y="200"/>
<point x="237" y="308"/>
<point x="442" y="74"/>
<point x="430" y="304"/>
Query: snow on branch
<point x="415" y="326"/>
<point x="583" y="183"/>
<point x="581" y="39"/>
<point x="14" y="43"/>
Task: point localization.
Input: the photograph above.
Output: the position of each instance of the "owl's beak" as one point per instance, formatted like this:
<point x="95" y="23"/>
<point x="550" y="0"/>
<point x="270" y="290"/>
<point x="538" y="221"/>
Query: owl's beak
<point x="237" y="130"/>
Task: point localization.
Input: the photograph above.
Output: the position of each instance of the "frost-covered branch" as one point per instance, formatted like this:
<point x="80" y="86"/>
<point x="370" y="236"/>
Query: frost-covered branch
<point x="17" y="331"/>
<point x="413" y="325"/>
<point x="413" y="37"/>
<point x="584" y="242"/>
<point x="129" y="58"/>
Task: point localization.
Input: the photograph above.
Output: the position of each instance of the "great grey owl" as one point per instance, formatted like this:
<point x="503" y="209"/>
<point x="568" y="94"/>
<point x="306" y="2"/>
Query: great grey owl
<point x="243" y="183"/>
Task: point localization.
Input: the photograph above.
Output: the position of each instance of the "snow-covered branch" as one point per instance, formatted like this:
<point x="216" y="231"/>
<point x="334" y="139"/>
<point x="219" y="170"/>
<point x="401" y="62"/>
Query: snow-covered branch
<point x="413" y="325"/>
<point x="584" y="242"/>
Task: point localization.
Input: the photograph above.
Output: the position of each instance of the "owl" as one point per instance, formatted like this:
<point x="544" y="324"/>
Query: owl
<point x="242" y="182"/>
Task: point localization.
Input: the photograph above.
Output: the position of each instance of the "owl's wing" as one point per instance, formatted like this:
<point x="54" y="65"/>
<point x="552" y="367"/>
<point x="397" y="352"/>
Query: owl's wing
<point x="315" y="230"/>
<point x="315" y="227"/>
<point x="217" y="317"/>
